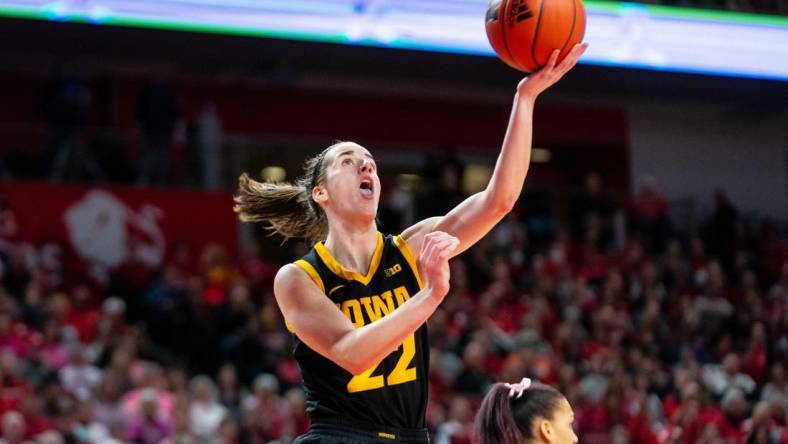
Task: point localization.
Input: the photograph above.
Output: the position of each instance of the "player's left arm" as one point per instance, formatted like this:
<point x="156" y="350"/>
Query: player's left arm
<point x="478" y="214"/>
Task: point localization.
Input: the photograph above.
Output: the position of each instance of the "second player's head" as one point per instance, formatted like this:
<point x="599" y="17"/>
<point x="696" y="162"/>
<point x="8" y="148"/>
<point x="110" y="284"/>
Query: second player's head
<point x="527" y="413"/>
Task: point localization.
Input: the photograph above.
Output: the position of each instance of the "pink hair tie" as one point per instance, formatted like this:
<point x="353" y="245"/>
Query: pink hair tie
<point x="518" y="388"/>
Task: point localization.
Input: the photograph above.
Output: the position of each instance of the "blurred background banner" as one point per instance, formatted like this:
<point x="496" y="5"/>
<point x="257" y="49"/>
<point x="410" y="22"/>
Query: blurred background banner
<point x="656" y="37"/>
<point x="112" y="227"/>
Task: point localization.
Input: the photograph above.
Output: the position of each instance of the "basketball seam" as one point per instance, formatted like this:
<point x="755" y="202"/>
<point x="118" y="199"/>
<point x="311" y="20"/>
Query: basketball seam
<point x="572" y="29"/>
<point x="536" y="35"/>
<point x="502" y="17"/>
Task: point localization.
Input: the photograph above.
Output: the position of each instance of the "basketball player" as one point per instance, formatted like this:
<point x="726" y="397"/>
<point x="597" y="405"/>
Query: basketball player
<point x="524" y="413"/>
<point x="358" y="301"/>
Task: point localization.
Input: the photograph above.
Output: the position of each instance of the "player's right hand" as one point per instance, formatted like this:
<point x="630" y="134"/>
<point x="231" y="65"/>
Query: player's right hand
<point x="436" y="249"/>
<point x="538" y="81"/>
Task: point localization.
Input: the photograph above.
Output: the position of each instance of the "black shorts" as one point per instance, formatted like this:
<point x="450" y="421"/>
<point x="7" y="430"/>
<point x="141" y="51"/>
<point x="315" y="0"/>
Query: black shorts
<point x="340" y="431"/>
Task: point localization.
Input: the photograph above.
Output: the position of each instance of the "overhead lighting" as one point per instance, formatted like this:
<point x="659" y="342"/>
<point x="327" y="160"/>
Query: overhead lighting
<point x="273" y="174"/>
<point x="541" y="155"/>
<point x="408" y="182"/>
<point x="476" y="178"/>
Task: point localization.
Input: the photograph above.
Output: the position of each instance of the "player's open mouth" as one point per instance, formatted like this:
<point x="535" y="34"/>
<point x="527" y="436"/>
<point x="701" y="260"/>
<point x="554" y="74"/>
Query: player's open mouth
<point x="367" y="188"/>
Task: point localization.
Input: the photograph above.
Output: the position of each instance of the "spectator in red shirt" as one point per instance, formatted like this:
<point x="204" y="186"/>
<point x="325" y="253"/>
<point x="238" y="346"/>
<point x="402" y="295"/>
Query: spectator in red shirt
<point x="12" y="387"/>
<point x="297" y="401"/>
<point x="14" y="428"/>
<point x="265" y="414"/>
<point x="12" y="336"/>
<point x="84" y="314"/>
<point x="36" y="422"/>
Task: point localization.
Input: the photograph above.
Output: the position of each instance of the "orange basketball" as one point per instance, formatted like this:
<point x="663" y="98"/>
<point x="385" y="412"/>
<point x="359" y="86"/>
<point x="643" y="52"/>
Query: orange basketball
<point x="525" y="32"/>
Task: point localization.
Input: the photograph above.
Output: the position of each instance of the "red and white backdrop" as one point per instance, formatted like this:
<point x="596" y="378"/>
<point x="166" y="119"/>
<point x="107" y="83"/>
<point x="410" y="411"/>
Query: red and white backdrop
<point x="106" y="228"/>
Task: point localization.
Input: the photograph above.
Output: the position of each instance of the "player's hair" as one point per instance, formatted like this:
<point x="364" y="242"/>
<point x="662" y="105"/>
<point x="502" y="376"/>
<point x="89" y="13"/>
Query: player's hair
<point x="502" y="419"/>
<point x="286" y="208"/>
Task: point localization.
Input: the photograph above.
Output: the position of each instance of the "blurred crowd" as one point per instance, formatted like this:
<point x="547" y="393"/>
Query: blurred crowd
<point x="655" y="333"/>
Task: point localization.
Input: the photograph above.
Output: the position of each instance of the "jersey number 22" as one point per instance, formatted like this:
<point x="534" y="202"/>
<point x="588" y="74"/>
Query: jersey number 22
<point x="402" y="372"/>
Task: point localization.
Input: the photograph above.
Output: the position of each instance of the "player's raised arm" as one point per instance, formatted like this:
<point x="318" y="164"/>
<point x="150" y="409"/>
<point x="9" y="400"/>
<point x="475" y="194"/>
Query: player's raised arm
<point x="478" y="214"/>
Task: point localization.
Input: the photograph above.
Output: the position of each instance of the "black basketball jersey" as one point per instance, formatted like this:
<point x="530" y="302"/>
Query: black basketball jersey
<point x="393" y="393"/>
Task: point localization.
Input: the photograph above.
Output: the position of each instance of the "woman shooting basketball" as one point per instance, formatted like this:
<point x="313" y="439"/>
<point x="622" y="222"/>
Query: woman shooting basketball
<point x="358" y="301"/>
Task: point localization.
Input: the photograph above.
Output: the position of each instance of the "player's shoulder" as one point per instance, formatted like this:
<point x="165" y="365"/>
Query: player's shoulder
<point x="294" y="288"/>
<point x="291" y="277"/>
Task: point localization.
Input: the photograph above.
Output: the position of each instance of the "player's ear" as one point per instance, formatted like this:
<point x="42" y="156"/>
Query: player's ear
<point x="319" y="194"/>
<point x="546" y="431"/>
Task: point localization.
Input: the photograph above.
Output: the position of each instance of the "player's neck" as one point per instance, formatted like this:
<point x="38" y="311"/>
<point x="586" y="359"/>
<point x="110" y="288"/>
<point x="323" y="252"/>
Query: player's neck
<point x="352" y="246"/>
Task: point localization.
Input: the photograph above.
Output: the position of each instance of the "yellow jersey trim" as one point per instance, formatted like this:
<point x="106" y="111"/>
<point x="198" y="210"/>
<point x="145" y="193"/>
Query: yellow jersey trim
<point x="310" y="270"/>
<point x="386" y="435"/>
<point x="402" y="244"/>
<point x="343" y="272"/>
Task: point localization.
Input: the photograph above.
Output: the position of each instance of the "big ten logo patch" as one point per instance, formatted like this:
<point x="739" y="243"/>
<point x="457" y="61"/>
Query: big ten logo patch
<point x="389" y="272"/>
<point x="519" y="12"/>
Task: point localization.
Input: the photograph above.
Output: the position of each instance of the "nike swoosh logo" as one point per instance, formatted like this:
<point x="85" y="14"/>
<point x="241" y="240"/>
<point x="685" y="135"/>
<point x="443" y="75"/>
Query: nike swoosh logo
<point x="335" y="289"/>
